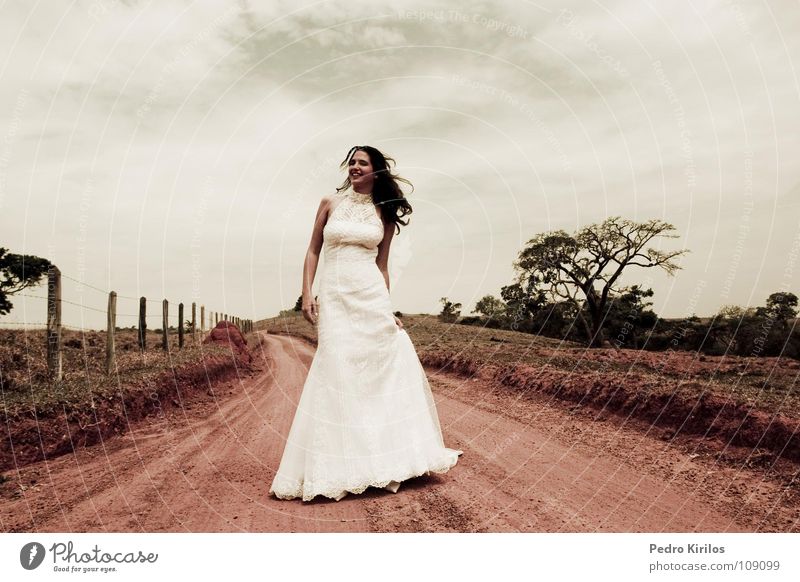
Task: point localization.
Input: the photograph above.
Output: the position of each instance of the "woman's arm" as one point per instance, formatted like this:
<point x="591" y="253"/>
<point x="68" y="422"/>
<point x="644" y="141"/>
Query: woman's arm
<point x="310" y="307"/>
<point x="382" y="260"/>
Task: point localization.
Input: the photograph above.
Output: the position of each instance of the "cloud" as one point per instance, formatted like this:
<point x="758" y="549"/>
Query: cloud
<point x="118" y="120"/>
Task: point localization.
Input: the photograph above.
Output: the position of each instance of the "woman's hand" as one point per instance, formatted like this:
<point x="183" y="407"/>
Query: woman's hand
<point x="398" y="322"/>
<point x="311" y="310"/>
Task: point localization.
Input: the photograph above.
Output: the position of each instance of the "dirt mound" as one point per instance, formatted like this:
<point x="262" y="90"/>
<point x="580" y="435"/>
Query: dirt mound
<point x="682" y="407"/>
<point x="228" y="334"/>
<point x="666" y="405"/>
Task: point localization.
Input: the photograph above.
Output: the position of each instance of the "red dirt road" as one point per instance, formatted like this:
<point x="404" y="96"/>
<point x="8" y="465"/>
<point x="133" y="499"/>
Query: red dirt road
<point x="528" y="465"/>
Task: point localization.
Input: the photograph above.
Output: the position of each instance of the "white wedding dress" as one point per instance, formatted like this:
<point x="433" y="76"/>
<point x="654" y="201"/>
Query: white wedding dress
<point x="366" y="416"/>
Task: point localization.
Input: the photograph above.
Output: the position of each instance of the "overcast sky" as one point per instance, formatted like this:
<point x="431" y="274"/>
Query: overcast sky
<point x="180" y="149"/>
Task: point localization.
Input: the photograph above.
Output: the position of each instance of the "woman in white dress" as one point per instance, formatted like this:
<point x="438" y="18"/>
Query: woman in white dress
<point x="366" y="416"/>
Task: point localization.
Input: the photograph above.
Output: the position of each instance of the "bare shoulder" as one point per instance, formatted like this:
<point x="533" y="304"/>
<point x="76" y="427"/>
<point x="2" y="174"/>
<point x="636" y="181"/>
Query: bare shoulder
<point x="329" y="202"/>
<point x="325" y="204"/>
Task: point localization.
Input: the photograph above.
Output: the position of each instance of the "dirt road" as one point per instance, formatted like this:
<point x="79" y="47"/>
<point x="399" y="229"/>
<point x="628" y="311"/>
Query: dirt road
<point x="528" y="465"/>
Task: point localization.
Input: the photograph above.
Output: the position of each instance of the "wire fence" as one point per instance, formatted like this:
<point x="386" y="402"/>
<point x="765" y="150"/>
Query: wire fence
<point x="194" y="325"/>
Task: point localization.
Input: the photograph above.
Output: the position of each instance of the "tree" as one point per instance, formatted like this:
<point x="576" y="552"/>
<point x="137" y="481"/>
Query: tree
<point x="450" y="311"/>
<point x="733" y="329"/>
<point x="298" y="306"/>
<point x="553" y="320"/>
<point x="489" y="306"/>
<point x="781" y="306"/>
<point x="18" y="272"/>
<point x="628" y="313"/>
<point x="584" y="268"/>
<point x="733" y="312"/>
<point x="522" y="303"/>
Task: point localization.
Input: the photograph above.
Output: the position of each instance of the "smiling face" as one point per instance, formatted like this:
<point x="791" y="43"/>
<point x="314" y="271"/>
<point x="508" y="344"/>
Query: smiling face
<point x="360" y="170"/>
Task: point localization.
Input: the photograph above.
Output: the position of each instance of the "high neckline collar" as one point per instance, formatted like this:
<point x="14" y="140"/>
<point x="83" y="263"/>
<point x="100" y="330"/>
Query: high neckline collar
<point x="361" y="195"/>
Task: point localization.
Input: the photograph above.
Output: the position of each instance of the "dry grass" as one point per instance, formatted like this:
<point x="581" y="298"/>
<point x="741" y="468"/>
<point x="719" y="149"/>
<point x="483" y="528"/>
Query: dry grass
<point x="23" y="367"/>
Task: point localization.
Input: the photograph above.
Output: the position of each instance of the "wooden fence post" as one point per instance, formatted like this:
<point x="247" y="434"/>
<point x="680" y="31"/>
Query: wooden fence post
<point x="203" y="322"/>
<point x="180" y="325"/>
<point x="111" y="361"/>
<point x="142" y="323"/>
<point x="194" y="322"/>
<point x="165" y="325"/>
<point x="216" y="318"/>
<point x="54" y="323"/>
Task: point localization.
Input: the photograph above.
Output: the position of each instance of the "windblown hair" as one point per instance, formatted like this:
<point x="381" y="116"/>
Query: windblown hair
<point x="386" y="191"/>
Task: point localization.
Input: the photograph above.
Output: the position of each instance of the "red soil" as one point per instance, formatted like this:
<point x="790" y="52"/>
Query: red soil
<point x="34" y="437"/>
<point x="529" y="464"/>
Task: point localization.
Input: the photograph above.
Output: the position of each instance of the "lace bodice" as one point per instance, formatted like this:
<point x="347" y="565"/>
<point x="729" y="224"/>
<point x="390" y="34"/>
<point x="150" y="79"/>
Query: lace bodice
<point x="354" y="206"/>
<point x="354" y="228"/>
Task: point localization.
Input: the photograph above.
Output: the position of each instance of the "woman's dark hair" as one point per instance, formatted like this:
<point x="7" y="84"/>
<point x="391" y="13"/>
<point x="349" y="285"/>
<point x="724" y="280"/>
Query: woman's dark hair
<point x="385" y="190"/>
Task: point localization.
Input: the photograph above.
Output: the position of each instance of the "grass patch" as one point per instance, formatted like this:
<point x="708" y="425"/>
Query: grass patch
<point x="23" y="368"/>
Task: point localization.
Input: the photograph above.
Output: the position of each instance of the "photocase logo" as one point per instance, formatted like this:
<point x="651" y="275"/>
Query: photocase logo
<point x="31" y="555"/>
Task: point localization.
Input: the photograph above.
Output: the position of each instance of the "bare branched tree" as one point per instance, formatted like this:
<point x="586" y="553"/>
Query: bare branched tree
<point x="586" y="267"/>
